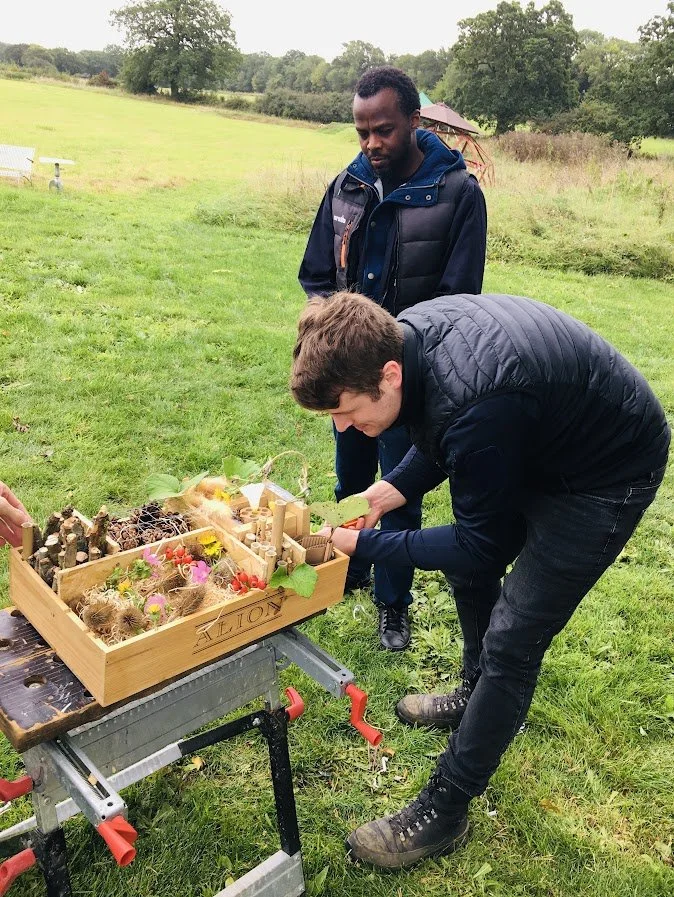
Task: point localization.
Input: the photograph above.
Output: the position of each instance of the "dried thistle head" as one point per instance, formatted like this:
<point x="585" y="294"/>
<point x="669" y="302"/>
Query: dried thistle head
<point x="224" y="571"/>
<point x="98" y="615"/>
<point x="187" y="600"/>
<point x="128" y="620"/>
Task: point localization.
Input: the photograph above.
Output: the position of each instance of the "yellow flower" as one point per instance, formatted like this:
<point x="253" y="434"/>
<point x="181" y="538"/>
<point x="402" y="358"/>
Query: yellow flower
<point x="221" y="495"/>
<point x="124" y="586"/>
<point x="213" y="549"/>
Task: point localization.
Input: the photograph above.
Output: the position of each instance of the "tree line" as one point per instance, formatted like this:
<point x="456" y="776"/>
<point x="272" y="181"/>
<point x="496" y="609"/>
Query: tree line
<point x="511" y="65"/>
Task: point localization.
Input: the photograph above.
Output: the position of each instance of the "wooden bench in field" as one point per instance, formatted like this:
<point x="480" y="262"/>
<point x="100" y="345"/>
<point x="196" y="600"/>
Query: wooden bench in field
<point x="16" y="162"/>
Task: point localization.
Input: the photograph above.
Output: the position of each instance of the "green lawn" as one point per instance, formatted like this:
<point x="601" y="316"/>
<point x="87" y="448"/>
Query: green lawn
<point x="146" y="320"/>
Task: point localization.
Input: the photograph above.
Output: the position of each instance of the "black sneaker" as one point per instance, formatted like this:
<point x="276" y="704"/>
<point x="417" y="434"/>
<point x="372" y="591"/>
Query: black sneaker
<point x="394" y="627"/>
<point x="356" y="582"/>
<point x="440" y="711"/>
<point x="418" y="831"/>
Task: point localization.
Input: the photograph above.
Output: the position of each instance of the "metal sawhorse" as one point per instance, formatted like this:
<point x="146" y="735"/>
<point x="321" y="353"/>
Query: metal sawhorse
<point x="81" y="768"/>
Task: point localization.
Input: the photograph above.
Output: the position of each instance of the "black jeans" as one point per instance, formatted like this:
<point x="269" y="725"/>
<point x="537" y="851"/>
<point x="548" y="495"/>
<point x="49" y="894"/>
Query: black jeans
<point x="357" y="457"/>
<point x="567" y="542"/>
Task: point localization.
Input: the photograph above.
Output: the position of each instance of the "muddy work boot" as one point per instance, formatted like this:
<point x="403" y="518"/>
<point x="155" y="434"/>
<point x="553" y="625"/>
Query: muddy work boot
<point x="420" y="830"/>
<point x="440" y="711"/>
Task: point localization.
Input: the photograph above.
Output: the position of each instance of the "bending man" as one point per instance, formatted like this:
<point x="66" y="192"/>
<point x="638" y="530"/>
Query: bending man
<point x="554" y="446"/>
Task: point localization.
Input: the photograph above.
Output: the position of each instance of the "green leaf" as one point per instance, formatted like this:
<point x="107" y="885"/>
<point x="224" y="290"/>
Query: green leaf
<point x="336" y="513"/>
<point x="193" y="481"/>
<point x="162" y="485"/>
<point x="484" y="869"/>
<point x="235" y="468"/>
<point x="302" y="580"/>
<point x="316" y="885"/>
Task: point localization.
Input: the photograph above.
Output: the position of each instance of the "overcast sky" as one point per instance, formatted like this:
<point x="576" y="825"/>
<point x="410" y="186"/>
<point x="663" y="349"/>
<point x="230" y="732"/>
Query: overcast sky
<point x="309" y="25"/>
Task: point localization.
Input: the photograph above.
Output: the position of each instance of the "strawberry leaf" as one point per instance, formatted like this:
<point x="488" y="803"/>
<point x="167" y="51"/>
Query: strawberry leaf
<point x="302" y="580"/>
<point x="336" y="513"/>
<point x="162" y="485"/>
<point x="239" y="469"/>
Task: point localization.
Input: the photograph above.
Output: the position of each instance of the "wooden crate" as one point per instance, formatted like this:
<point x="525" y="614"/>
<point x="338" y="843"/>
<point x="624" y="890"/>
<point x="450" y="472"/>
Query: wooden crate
<point x="115" y="672"/>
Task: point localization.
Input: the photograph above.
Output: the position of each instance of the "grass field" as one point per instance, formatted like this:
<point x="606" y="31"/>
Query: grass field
<point x="146" y="320"/>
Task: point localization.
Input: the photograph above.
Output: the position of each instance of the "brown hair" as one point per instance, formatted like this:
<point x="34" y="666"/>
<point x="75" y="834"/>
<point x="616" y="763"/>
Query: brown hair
<point x="343" y="342"/>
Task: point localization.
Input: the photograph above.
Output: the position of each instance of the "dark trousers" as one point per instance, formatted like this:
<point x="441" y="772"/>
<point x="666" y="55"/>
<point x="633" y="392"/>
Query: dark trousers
<point x="357" y="458"/>
<point x="566" y="543"/>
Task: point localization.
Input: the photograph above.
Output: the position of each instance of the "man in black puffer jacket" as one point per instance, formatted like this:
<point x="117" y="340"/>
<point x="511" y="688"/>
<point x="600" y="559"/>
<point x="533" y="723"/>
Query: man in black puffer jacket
<point x="554" y="445"/>
<point x="404" y="222"/>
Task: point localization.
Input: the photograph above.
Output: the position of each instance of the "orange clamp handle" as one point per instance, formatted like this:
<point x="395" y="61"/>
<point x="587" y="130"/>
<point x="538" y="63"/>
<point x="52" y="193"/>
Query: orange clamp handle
<point x="10" y="790"/>
<point x="14" y="866"/>
<point x="296" y="707"/>
<point x="350" y="524"/>
<point x="358" y="704"/>
<point x="119" y="835"/>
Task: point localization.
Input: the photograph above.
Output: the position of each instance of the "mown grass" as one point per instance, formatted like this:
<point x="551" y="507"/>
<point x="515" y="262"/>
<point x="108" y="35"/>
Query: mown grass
<point x="147" y="317"/>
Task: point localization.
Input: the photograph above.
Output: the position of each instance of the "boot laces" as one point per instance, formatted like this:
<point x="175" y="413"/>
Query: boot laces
<point x="457" y="700"/>
<point x="393" y="619"/>
<point x="412" y="818"/>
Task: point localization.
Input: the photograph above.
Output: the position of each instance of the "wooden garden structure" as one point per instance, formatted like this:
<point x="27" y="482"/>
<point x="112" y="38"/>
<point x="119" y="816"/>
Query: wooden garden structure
<point x="457" y="133"/>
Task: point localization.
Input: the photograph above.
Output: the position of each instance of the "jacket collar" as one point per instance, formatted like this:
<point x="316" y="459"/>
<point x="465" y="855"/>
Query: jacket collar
<point x="438" y="160"/>
<point x="412" y="405"/>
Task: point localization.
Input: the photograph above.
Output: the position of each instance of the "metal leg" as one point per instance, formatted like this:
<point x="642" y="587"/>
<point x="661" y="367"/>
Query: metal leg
<point x="275" y="729"/>
<point x="52" y="857"/>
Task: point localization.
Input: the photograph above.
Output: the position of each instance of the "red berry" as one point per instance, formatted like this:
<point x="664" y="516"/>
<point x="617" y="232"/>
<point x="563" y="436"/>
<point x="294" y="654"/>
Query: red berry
<point x="187" y="559"/>
<point x="235" y="584"/>
<point x="243" y="577"/>
<point x="168" y="554"/>
<point x="180" y="551"/>
<point x="261" y="584"/>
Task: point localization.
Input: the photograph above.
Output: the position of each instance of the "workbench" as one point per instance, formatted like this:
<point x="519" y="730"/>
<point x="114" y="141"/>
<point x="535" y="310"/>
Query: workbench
<point x="78" y="755"/>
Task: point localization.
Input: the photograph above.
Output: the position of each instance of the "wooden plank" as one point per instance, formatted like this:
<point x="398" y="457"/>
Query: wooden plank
<point x="40" y="698"/>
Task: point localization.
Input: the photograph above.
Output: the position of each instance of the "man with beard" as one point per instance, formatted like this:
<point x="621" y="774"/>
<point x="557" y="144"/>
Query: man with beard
<point x="403" y="223"/>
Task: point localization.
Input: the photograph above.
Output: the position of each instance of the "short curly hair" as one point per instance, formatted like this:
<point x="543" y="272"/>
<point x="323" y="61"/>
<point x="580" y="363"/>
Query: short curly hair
<point x="384" y="76"/>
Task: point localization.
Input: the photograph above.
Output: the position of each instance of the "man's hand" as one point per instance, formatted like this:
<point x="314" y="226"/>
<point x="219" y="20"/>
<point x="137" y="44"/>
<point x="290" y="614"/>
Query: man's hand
<point x="12" y="516"/>
<point x="344" y="539"/>
<point x="383" y="497"/>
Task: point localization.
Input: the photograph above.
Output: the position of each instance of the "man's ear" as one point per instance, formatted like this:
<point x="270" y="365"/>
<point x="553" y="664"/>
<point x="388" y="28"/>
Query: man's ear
<point x="414" y="119"/>
<point x="392" y="374"/>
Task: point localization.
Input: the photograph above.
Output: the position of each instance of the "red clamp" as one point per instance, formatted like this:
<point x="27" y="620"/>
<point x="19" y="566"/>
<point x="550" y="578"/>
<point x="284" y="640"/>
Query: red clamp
<point x="10" y="790"/>
<point x="13" y="867"/>
<point x="358" y="704"/>
<point x="119" y="835"/>
<point x="296" y="707"/>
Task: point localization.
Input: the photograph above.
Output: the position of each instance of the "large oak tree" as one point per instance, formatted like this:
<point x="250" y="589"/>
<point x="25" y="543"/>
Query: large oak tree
<point x="513" y="64"/>
<point x="186" y="44"/>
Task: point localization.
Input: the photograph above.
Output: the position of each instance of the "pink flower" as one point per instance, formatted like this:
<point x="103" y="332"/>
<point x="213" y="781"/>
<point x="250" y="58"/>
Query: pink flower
<point x="155" y="607"/>
<point x="151" y="558"/>
<point x="200" y="571"/>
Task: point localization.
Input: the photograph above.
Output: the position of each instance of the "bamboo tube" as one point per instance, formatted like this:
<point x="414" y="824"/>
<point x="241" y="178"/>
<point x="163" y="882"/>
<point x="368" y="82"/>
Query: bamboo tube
<point x="277" y="526"/>
<point x="26" y="540"/>
<point x="271" y="562"/>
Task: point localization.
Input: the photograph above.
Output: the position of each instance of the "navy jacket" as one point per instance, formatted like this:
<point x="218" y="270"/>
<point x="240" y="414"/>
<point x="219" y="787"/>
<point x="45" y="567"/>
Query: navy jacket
<point x="373" y="248"/>
<point x="507" y="397"/>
